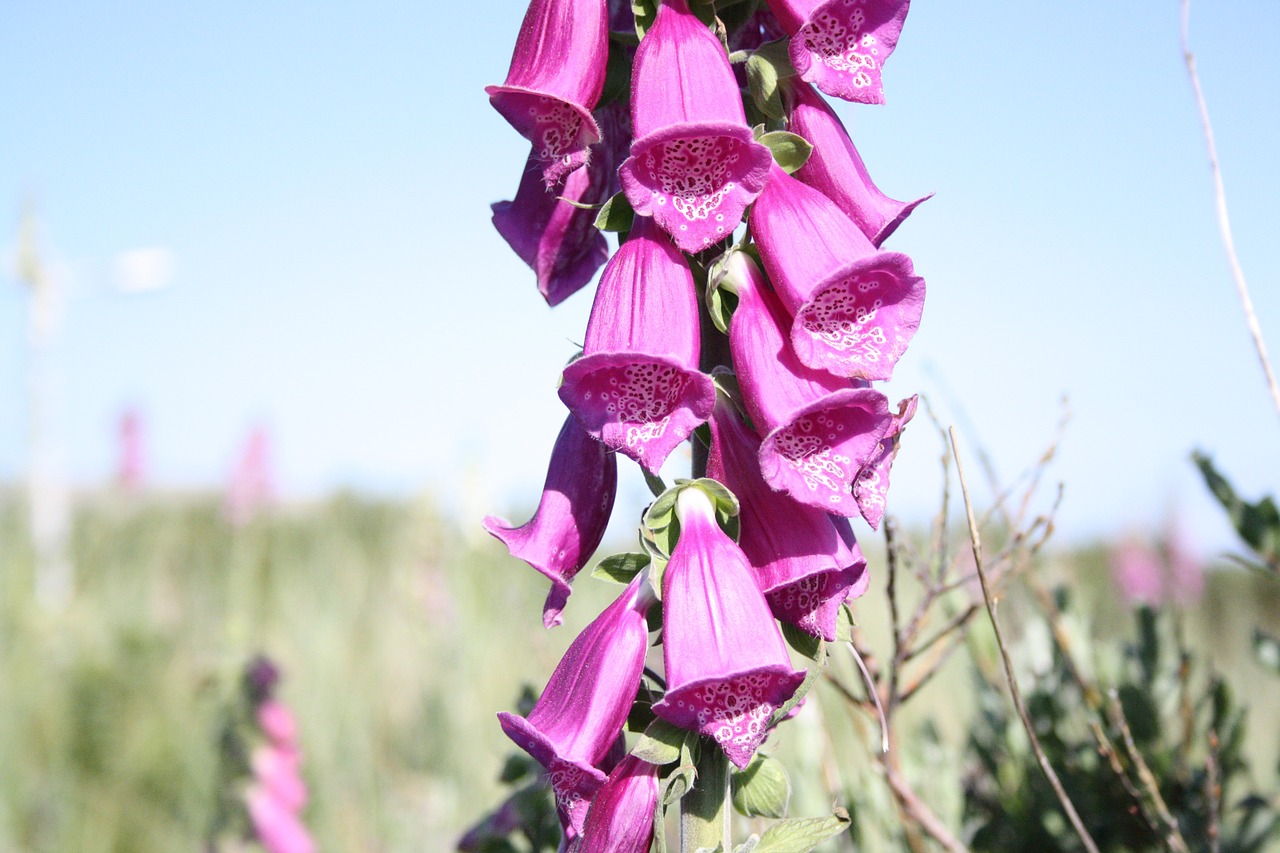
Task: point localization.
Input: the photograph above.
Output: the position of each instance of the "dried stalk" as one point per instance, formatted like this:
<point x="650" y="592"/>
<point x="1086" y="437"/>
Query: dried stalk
<point x="1067" y="806"/>
<point x="1224" y="222"/>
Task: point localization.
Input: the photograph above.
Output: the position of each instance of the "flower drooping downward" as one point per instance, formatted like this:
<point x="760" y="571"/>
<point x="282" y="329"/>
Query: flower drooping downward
<point x="581" y="712"/>
<point x="840" y="46"/>
<point x="620" y="819"/>
<point x="855" y="309"/>
<point x="582" y="481"/>
<point x="727" y="667"/>
<point x="637" y="387"/>
<point x="802" y="563"/>
<point x="694" y="165"/>
<point x="556" y="76"/>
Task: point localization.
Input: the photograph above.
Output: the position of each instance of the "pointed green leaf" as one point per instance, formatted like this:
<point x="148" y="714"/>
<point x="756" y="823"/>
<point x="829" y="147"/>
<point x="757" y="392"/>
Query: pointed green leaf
<point x="800" y="835"/>
<point x="615" y="214"/>
<point x="762" y="83"/>
<point x="749" y="845"/>
<point x="812" y="674"/>
<point x="802" y="641"/>
<point x="762" y="789"/>
<point x="790" y="150"/>
<point x="845" y="623"/>
<point x="620" y="568"/>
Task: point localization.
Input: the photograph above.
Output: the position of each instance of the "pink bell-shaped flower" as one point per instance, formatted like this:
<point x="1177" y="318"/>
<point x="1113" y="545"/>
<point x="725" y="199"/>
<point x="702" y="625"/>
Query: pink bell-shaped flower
<point x="836" y="169"/>
<point x="276" y="826"/>
<point x="694" y="165"/>
<point x="801" y="561"/>
<point x="577" y="720"/>
<point x="577" y="498"/>
<point x="855" y="309"/>
<point x="840" y="46"/>
<point x="871" y="489"/>
<point x="620" y="819"/>
<point x="727" y="667"/>
<point x="556" y="76"/>
<point x="637" y="386"/>
<point x="819" y="431"/>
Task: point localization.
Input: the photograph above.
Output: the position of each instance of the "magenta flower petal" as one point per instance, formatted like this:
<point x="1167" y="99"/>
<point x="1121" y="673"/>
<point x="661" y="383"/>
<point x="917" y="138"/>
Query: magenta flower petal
<point x="580" y="714"/>
<point x="637" y="387"/>
<point x="694" y="165"/>
<point x="836" y="169"/>
<point x="801" y="563"/>
<point x="727" y="667"/>
<point x="577" y="499"/>
<point x="840" y="46"/>
<point x="871" y="489"/>
<point x="620" y="819"/>
<point x="558" y="241"/>
<point x="819" y="431"/>
<point x="276" y="826"/>
<point x="855" y="309"/>
<point x="556" y="76"/>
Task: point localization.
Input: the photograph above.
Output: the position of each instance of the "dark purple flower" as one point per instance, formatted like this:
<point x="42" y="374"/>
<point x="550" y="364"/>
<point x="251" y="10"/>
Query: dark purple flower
<point x="836" y="169"/>
<point x="855" y="309"/>
<point x="556" y="76"/>
<point x="620" y="819"/>
<point x="558" y="241"/>
<point x="801" y="562"/>
<point x="871" y="489"/>
<point x="727" y="667"/>
<point x="637" y="387"/>
<point x="580" y="714"/>
<point x="694" y="165"/>
<point x="819" y="431"/>
<point x="840" y="46"/>
<point x="577" y="499"/>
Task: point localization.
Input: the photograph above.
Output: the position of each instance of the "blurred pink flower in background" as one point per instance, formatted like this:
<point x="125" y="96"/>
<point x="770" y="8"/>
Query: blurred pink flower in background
<point x="131" y="464"/>
<point x="276" y="793"/>
<point x="1159" y="574"/>
<point x="251" y="487"/>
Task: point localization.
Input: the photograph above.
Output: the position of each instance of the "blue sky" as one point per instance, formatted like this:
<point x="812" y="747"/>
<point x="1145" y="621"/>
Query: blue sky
<point x="321" y="174"/>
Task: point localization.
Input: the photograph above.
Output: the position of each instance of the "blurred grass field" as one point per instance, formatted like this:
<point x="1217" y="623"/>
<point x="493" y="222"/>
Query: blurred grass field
<point x="399" y="638"/>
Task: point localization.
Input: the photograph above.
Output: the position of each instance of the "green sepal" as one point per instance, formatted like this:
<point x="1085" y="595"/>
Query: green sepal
<point x="620" y="568"/>
<point x="761" y="789"/>
<point x="802" y="641"/>
<point x="661" y="743"/>
<point x="762" y="83"/>
<point x="686" y="773"/>
<point x="653" y="481"/>
<point x="790" y="150"/>
<point x="802" y="834"/>
<point x="811" y="676"/>
<point x="721" y="301"/>
<point x="845" y="623"/>
<point x="615" y="214"/>
<point x="660" y="529"/>
<point x="645" y="11"/>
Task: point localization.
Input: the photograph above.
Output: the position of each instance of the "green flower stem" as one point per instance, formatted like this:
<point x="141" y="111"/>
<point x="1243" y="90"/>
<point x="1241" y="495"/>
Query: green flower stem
<point x="704" y="811"/>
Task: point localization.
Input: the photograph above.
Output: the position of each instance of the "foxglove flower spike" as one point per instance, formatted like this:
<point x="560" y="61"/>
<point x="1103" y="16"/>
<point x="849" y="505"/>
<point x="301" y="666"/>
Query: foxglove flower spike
<point x="577" y="498"/>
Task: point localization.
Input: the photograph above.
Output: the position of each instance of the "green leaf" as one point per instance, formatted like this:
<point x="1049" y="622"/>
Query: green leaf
<point x="845" y="623"/>
<point x="811" y="677"/>
<point x="748" y="846"/>
<point x="679" y="783"/>
<point x="1258" y="523"/>
<point x="660" y="744"/>
<point x="615" y="214"/>
<point x="800" y="835"/>
<point x="790" y="150"/>
<point x="1266" y="648"/>
<point x="653" y="481"/>
<point x="762" y="789"/>
<point x="620" y="568"/>
<point x="802" y="641"/>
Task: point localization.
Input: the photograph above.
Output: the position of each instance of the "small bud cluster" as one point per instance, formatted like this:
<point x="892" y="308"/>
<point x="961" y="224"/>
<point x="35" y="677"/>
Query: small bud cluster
<point x="758" y="345"/>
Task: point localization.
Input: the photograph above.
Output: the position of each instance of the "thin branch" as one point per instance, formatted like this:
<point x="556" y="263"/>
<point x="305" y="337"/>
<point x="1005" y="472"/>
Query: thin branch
<point x="1172" y="835"/>
<point x="1045" y="766"/>
<point x="874" y="696"/>
<point x="919" y="812"/>
<point x="1224" y="222"/>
